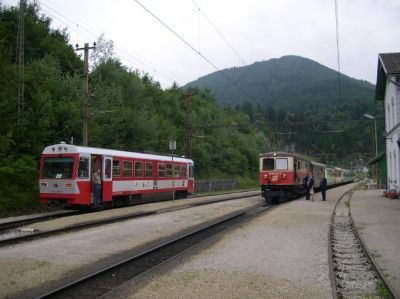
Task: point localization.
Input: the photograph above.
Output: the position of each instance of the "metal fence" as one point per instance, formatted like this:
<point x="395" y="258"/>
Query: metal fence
<point x="214" y="185"/>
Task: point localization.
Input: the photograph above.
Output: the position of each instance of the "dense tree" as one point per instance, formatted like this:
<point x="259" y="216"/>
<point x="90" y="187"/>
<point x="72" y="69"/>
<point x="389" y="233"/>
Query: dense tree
<point x="128" y="110"/>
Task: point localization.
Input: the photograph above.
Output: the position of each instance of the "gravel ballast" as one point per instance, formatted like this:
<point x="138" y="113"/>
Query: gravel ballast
<point x="29" y="265"/>
<point x="280" y="254"/>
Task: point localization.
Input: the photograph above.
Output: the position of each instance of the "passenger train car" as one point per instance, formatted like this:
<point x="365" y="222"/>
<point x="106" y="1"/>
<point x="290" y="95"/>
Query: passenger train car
<point x="281" y="175"/>
<point x="66" y="175"/>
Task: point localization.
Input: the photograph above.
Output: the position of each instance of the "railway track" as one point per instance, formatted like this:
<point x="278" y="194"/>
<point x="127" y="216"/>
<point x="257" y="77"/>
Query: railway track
<point x="352" y="270"/>
<point x="26" y="220"/>
<point x="9" y="236"/>
<point x="109" y="280"/>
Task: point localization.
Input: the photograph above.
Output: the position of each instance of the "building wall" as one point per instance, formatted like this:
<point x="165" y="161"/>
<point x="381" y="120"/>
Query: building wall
<point x="392" y="127"/>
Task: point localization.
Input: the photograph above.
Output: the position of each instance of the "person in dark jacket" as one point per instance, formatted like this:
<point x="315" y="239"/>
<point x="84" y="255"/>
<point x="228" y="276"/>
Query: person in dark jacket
<point x="323" y="185"/>
<point x="308" y="184"/>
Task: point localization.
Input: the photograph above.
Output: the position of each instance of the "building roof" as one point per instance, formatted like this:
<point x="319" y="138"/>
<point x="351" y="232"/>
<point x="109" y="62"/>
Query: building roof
<point x="388" y="64"/>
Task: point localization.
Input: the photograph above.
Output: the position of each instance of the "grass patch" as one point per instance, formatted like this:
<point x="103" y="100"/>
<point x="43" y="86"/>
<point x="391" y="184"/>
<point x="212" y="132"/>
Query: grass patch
<point x="383" y="292"/>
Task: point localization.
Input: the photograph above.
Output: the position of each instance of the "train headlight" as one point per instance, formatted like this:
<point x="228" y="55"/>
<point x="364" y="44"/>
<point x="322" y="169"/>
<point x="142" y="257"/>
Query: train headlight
<point x="265" y="176"/>
<point x="68" y="185"/>
<point x="284" y="176"/>
<point x="43" y="184"/>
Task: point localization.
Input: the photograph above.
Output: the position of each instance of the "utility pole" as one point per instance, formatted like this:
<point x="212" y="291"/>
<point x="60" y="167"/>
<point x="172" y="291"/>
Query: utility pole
<point x="20" y="50"/>
<point x="188" y="127"/>
<point x="86" y="49"/>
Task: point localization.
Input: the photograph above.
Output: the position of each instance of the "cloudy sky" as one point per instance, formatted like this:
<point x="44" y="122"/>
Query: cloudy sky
<point x="230" y="33"/>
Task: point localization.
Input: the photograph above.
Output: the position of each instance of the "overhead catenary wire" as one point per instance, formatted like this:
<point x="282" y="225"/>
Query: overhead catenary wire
<point x="219" y="33"/>
<point x="337" y="48"/>
<point x="127" y="55"/>
<point x="222" y="72"/>
<point x="231" y="47"/>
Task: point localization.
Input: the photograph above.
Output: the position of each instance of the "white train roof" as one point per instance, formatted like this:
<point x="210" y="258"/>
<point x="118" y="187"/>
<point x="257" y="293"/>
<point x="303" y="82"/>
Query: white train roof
<point x="63" y="148"/>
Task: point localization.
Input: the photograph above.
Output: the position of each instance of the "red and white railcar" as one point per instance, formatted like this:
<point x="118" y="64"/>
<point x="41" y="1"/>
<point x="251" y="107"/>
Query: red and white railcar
<point x="281" y="175"/>
<point x="66" y="175"/>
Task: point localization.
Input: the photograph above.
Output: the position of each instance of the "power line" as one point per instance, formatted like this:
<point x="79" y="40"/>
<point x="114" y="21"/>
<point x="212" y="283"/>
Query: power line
<point x="337" y="47"/>
<point x="128" y="56"/>
<point x="232" y="48"/>
<point x="219" y="33"/>
<point x="222" y="72"/>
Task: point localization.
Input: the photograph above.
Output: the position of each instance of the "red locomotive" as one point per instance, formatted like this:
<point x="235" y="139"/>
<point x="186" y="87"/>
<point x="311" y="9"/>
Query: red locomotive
<point x="281" y="175"/>
<point x="66" y="175"/>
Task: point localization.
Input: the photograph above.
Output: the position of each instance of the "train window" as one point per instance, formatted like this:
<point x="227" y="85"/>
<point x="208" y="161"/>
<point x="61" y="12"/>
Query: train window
<point x="107" y="170"/>
<point x="176" y="170"/>
<point x="57" y="167"/>
<point x="161" y="170"/>
<point x="169" y="170"/>
<point x="138" y="169"/>
<point x="83" y="168"/>
<point x="149" y="170"/>
<point x="115" y="172"/>
<point x="281" y="163"/>
<point x="183" y="171"/>
<point x="127" y="169"/>
<point x="268" y="164"/>
<point x="191" y="171"/>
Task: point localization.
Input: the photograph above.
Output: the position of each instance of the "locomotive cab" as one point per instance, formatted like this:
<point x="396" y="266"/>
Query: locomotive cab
<point x="281" y="176"/>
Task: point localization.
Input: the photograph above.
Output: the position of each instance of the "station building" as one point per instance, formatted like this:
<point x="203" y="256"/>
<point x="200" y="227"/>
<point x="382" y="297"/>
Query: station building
<point x="388" y="90"/>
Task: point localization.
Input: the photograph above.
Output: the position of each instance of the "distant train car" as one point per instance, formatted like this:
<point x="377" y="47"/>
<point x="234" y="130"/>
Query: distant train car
<point x="347" y="176"/>
<point x="330" y="176"/>
<point x="66" y="175"/>
<point x="281" y="175"/>
<point x="318" y="170"/>
<point x="338" y="176"/>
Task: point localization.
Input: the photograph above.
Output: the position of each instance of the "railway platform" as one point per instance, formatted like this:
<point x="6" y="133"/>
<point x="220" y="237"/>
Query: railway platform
<point x="377" y="219"/>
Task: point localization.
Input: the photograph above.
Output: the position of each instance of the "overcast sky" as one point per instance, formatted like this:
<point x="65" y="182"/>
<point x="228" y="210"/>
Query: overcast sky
<point x="257" y="30"/>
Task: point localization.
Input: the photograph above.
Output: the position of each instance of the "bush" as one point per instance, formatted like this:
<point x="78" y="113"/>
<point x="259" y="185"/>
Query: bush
<point x="19" y="185"/>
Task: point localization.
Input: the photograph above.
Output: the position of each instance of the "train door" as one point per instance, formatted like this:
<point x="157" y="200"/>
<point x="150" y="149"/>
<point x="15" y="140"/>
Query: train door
<point x="191" y="179"/>
<point x="107" y="179"/>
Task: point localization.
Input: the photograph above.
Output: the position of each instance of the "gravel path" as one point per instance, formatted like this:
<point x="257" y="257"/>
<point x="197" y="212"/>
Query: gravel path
<point x="281" y="254"/>
<point x="29" y="265"/>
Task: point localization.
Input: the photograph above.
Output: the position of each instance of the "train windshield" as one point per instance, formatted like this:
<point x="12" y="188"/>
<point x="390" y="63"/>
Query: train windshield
<point x="268" y="164"/>
<point x="57" y="167"/>
<point x="281" y="164"/>
<point x="275" y="164"/>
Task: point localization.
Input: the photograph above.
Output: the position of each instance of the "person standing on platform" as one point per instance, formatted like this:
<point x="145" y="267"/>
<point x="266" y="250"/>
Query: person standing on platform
<point x="323" y="185"/>
<point x="308" y="184"/>
<point x="96" y="179"/>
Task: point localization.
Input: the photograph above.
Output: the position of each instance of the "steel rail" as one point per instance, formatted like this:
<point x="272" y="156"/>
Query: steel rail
<point x="332" y="272"/>
<point x="169" y="250"/>
<point x="43" y="234"/>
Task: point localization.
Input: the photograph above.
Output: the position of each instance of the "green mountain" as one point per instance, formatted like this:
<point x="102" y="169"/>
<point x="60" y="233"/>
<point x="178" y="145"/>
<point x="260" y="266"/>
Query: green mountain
<point x="292" y="83"/>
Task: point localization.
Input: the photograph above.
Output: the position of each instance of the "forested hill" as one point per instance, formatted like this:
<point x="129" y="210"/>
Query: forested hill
<point x="292" y="83"/>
